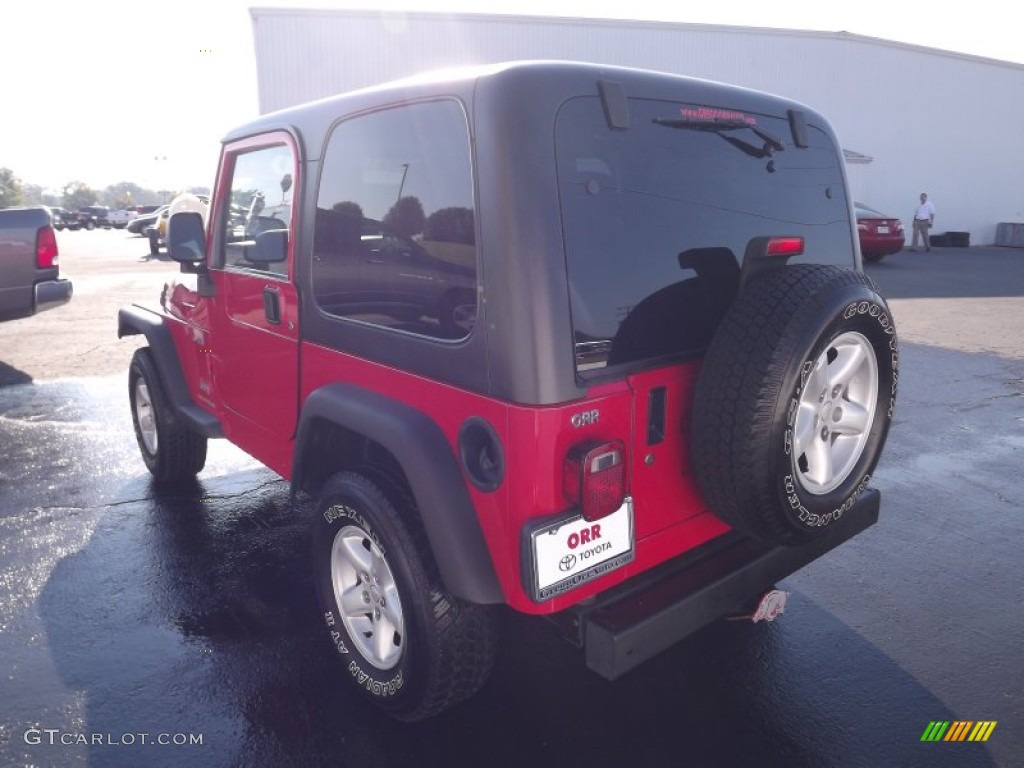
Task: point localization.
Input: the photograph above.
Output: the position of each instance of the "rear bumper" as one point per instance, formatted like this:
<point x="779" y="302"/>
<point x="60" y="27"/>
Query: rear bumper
<point x="52" y="293"/>
<point x="634" y="622"/>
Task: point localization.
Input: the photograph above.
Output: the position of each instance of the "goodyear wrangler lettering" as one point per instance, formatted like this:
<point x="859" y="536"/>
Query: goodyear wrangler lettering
<point x="872" y="310"/>
<point x="810" y="518"/>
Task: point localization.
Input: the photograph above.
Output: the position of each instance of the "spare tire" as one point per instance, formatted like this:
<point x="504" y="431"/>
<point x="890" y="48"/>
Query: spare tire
<point x="794" y="400"/>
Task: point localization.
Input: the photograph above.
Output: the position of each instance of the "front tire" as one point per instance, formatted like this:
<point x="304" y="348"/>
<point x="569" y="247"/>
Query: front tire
<point x="154" y="244"/>
<point x="794" y="400"/>
<point x="405" y="643"/>
<point x="172" y="452"/>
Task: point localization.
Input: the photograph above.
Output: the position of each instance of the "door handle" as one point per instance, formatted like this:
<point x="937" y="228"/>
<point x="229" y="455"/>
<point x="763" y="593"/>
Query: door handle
<point x="272" y="305"/>
<point x="656" y="415"/>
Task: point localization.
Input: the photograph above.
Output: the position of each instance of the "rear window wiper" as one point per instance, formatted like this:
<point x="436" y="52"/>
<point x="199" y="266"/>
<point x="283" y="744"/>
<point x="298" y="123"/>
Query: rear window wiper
<point x="720" y="126"/>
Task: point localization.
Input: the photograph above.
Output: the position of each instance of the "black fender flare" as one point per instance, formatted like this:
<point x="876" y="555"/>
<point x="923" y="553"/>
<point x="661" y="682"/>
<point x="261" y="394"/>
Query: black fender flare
<point x="426" y="457"/>
<point x="134" y="321"/>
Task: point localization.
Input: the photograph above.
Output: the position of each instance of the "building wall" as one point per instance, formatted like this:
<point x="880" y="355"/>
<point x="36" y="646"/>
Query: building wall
<point x="930" y="120"/>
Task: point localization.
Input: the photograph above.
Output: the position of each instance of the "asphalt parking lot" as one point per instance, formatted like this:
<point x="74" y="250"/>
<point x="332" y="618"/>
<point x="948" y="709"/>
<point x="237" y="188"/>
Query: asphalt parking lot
<point x="125" y="610"/>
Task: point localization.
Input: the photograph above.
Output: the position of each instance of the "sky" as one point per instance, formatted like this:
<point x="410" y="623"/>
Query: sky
<point x="110" y="91"/>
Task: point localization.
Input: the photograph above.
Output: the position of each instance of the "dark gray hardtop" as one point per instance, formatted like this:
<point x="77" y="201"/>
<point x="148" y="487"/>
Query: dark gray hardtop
<point x="522" y="347"/>
<point x="524" y="88"/>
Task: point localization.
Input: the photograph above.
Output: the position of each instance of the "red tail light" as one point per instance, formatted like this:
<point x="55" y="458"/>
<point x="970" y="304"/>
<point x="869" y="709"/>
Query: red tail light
<point x="46" y="248"/>
<point x="785" y="246"/>
<point x="595" y="478"/>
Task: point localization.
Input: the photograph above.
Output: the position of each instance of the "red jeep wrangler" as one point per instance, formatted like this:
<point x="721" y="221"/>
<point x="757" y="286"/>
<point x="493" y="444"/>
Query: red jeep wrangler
<point x="589" y="342"/>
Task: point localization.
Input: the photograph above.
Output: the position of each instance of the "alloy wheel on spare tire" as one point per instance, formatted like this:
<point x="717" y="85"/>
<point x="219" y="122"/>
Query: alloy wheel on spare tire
<point x="404" y="642"/>
<point x="794" y="400"/>
<point x="172" y="452"/>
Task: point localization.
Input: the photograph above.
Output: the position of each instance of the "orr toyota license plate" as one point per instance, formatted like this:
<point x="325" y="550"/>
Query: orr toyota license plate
<point x="573" y="551"/>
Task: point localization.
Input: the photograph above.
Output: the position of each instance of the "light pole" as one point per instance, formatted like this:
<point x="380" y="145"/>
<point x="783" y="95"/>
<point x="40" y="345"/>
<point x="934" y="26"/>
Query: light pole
<point x="405" y="172"/>
<point x="157" y="167"/>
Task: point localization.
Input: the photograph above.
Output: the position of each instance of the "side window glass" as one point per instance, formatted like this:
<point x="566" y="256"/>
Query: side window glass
<point x="394" y="241"/>
<point x="261" y="202"/>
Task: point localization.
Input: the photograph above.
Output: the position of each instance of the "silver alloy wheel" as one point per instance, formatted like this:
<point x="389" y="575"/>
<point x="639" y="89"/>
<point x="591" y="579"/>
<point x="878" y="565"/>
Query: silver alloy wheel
<point x="366" y="593"/>
<point x="145" y="416"/>
<point x="835" y="414"/>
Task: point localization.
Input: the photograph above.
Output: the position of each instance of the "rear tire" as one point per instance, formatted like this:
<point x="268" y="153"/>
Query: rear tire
<point x="794" y="400"/>
<point x="171" y="450"/>
<point x="154" y="244"/>
<point x="405" y="642"/>
<point x="874" y="258"/>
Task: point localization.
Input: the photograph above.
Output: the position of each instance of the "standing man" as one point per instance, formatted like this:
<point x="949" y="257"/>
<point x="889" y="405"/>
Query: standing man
<point x="924" y="218"/>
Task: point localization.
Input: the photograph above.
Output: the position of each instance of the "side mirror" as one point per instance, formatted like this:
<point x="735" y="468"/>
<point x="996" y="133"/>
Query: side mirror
<point x="269" y="247"/>
<point x="186" y="237"/>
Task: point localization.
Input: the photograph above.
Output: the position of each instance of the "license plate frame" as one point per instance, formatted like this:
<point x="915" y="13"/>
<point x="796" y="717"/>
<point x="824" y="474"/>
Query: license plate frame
<point x="563" y="554"/>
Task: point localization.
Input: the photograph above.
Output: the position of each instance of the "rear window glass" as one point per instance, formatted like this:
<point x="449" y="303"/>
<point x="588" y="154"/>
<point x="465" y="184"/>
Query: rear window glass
<point x="657" y="219"/>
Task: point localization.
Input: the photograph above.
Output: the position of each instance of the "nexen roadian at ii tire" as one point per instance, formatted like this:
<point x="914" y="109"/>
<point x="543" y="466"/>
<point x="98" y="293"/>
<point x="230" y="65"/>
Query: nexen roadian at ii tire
<point x="794" y="401"/>
<point x="404" y="642"/>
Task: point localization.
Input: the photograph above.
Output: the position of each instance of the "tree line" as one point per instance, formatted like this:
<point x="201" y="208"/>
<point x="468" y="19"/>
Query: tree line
<point x="75" y="194"/>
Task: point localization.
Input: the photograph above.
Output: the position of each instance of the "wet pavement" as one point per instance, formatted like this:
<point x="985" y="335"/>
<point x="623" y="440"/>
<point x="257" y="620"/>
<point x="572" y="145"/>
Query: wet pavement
<point x="126" y="609"/>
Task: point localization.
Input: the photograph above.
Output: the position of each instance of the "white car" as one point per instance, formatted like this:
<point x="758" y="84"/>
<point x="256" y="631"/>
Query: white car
<point x="119" y="219"/>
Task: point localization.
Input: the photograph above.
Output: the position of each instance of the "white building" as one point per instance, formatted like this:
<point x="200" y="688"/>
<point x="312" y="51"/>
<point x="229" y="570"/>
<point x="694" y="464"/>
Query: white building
<point x="911" y="119"/>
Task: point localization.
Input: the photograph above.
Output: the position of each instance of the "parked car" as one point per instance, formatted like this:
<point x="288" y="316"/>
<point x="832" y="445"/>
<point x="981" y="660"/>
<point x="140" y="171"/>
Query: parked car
<point x="93" y="216"/>
<point x="63" y="219"/>
<point x="119" y="219"/>
<point x="30" y="279"/>
<point x="665" y="387"/>
<point x="385" y="272"/>
<point x="880" y="235"/>
<point x="137" y="226"/>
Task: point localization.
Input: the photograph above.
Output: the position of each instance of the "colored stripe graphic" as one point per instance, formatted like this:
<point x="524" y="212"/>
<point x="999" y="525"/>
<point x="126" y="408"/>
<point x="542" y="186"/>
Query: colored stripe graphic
<point x="982" y="730"/>
<point x="959" y="730"/>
